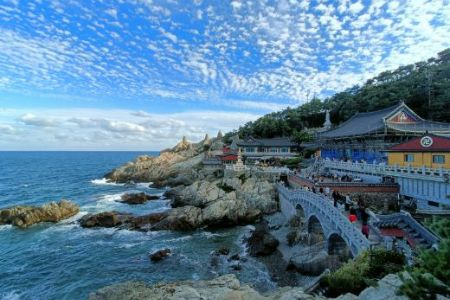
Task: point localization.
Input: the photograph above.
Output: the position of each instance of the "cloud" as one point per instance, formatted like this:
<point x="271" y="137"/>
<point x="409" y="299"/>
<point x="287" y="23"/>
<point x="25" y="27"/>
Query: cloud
<point x="98" y="129"/>
<point x="32" y="120"/>
<point x="6" y="129"/>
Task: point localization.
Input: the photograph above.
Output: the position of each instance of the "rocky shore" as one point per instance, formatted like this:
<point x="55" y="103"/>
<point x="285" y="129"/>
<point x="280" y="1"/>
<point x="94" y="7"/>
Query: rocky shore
<point x="25" y="216"/>
<point x="199" y="197"/>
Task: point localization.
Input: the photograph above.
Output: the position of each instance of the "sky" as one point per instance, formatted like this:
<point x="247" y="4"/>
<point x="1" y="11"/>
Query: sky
<point x="141" y="74"/>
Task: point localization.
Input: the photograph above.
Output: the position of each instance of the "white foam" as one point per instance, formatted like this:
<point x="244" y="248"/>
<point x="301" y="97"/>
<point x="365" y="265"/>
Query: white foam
<point x="5" y="227"/>
<point x="210" y="235"/>
<point x="75" y="218"/>
<point x="111" y="198"/>
<point x="144" y="185"/>
<point x="105" y="181"/>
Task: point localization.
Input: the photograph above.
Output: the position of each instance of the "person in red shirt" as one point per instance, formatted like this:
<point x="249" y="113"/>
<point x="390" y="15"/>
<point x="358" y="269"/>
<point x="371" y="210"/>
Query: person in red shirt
<point x="352" y="216"/>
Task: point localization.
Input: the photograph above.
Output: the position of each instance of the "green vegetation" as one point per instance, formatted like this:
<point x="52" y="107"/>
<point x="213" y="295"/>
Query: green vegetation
<point x="356" y="275"/>
<point x="424" y="86"/>
<point x="242" y="178"/>
<point x="291" y="163"/>
<point x="225" y="187"/>
<point x="431" y="275"/>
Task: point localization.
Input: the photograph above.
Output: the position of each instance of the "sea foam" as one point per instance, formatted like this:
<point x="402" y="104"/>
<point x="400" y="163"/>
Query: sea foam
<point x="105" y="181"/>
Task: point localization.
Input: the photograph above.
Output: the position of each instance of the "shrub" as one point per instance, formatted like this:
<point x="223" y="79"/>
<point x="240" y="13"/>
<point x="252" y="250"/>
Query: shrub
<point x="242" y="178"/>
<point x="431" y="275"/>
<point x="225" y="187"/>
<point x="295" y="221"/>
<point x="357" y="274"/>
<point x="291" y="238"/>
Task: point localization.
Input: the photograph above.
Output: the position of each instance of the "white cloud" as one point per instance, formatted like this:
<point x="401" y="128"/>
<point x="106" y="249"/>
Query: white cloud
<point x="30" y="119"/>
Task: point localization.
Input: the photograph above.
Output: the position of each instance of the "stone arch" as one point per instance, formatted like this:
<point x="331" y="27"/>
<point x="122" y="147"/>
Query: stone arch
<point x="338" y="246"/>
<point x="316" y="234"/>
<point x="300" y="211"/>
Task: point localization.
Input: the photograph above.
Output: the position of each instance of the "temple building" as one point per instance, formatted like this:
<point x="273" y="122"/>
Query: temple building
<point x="367" y="136"/>
<point x="428" y="151"/>
<point x="263" y="149"/>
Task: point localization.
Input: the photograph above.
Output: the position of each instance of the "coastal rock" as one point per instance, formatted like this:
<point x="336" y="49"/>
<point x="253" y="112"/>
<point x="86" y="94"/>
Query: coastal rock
<point x="159" y="255"/>
<point x="261" y="242"/>
<point x="179" y="165"/>
<point x="182" y="218"/>
<point x="316" y="265"/>
<point x="225" y="287"/>
<point x="105" y="219"/>
<point x="137" y="198"/>
<point x="24" y="216"/>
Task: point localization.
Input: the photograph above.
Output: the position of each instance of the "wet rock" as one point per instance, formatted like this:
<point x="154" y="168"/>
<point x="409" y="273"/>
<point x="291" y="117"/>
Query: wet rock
<point x="105" y="219"/>
<point x="137" y="198"/>
<point x="222" y="251"/>
<point x="24" y="216"/>
<point x="159" y="255"/>
<point x="316" y="265"/>
<point x="234" y="257"/>
<point x="236" y="267"/>
<point x="261" y="242"/>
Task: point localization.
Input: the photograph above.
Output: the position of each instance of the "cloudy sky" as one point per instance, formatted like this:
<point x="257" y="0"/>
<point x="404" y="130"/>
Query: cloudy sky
<point x="140" y="74"/>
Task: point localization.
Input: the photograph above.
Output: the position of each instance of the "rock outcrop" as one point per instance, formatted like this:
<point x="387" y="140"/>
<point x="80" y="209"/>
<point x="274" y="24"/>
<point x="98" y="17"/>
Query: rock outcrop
<point x="24" y="216"/>
<point x="180" y="219"/>
<point x="159" y="255"/>
<point x="137" y="198"/>
<point x="261" y="242"/>
<point x="182" y="161"/>
<point x="223" y="287"/>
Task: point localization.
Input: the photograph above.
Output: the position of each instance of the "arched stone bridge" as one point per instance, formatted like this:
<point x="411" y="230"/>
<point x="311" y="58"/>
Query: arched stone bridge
<point x="319" y="211"/>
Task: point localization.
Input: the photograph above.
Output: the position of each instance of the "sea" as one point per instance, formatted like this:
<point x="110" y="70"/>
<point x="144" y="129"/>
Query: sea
<point x="64" y="261"/>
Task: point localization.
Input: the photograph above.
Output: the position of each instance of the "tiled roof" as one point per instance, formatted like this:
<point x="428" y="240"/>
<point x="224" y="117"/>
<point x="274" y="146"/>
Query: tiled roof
<point x="439" y="144"/>
<point x="274" y="142"/>
<point x="391" y="117"/>
<point x="361" y="123"/>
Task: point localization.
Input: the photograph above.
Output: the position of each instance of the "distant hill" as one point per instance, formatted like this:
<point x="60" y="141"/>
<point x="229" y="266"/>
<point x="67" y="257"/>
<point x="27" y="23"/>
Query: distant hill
<point x="424" y="86"/>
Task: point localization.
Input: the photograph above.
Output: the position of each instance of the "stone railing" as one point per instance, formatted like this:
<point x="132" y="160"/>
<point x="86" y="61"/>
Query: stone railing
<point x="440" y="174"/>
<point x="331" y="219"/>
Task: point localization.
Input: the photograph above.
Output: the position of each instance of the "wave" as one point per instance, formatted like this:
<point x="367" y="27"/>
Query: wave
<point x="145" y="185"/>
<point x="105" y="181"/>
<point x="5" y="227"/>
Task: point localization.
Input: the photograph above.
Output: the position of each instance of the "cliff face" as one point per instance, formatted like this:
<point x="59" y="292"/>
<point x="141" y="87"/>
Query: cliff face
<point x="174" y="165"/>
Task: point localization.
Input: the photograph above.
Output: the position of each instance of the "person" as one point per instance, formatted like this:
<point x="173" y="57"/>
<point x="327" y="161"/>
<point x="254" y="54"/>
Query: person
<point x="334" y="195"/>
<point x="364" y="216"/>
<point x="327" y="191"/>
<point x="352" y="216"/>
<point x="321" y="190"/>
<point x="348" y="202"/>
<point x="314" y="190"/>
<point x="365" y="230"/>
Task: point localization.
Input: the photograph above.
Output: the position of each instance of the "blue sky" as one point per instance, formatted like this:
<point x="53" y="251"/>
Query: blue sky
<point x="140" y="74"/>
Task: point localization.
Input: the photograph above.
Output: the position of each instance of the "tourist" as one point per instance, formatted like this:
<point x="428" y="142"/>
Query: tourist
<point x="348" y="202"/>
<point x="364" y="216"/>
<point x="352" y="216"/>
<point x="365" y="230"/>
<point x="327" y="191"/>
<point x="321" y="190"/>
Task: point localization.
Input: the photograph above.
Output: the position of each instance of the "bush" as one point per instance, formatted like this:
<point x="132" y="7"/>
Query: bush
<point x="295" y="221"/>
<point x="355" y="275"/>
<point x="225" y="187"/>
<point x="431" y="275"/>
<point x="291" y="163"/>
<point x="291" y="238"/>
<point x="242" y="178"/>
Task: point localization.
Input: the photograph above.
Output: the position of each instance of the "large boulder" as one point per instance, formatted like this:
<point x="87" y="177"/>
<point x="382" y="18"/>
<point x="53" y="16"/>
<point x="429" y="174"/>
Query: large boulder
<point x="24" y="216"/>
<point x="137" y="198"/>
<point x="261" y="242"/>
<point x="315" y="265"/>
<point x="105" y="219"/>
<point x="181" y="218"/>
<point x="159" y="255"/>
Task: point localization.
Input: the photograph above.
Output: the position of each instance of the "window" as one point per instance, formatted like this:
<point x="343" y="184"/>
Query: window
<point x="285" y="149"/>
<point x="438" y="159"/>
<point x="249" y="149"/>
<point x="408" y="157"/>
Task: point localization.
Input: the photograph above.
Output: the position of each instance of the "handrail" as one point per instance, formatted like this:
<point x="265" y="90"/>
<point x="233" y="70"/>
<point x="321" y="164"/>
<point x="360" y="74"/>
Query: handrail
<point x="395" y="170"/>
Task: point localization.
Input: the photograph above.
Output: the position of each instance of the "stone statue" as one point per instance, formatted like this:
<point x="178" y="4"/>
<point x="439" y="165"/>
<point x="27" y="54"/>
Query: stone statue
<point x="327" y="124"/>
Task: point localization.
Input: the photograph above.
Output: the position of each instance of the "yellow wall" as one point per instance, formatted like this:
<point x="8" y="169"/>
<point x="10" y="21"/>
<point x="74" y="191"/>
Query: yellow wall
<point x="420" y="159"/>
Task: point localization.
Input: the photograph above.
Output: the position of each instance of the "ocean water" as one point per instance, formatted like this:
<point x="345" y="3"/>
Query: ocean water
<point x="65" y="261"/>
